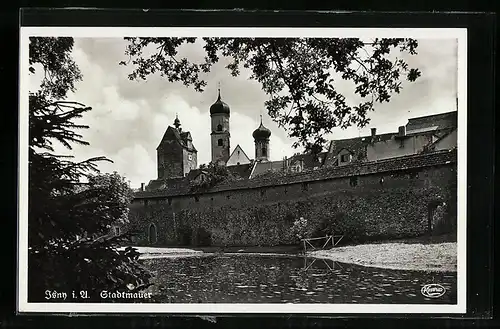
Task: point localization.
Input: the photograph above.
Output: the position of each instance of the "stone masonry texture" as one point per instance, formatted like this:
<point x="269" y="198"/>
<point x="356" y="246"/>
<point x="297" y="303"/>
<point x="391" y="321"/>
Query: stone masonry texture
<point x="377" y="200"/>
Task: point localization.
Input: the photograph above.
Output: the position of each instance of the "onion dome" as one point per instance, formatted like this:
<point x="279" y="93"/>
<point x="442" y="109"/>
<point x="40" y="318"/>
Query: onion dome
<point x="177" y="122"/>
<point x="219" y="107"/>
<point x="261" y="132"/>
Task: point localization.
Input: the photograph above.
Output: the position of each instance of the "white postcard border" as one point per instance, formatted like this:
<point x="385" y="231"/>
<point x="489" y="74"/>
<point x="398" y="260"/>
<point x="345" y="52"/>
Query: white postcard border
<point x="110" y="32"/>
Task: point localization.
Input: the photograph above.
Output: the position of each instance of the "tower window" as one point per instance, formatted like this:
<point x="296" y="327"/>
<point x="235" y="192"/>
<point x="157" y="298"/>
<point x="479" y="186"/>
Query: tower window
<point x="219" y="142"/>
<point x="219" y="127"/>
<point x="264" y="151"/>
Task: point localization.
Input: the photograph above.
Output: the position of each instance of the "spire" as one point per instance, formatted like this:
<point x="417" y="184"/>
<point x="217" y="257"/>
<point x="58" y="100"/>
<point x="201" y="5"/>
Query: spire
<point x="218" y="89"/>
<point x="177" y="122"/>
<point x="261" y="119"/>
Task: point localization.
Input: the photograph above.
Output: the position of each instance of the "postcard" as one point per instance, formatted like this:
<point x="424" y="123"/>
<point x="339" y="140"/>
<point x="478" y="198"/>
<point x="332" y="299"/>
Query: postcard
<point x="234" y="170"/>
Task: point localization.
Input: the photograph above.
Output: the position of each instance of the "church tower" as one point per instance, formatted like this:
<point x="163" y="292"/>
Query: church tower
<point x="219" y="114"/>
<point x="261" y="138"/>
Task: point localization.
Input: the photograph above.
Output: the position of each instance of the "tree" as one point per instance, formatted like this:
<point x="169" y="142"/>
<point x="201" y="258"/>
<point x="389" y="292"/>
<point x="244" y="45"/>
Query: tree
<point x="71" y="205"/>
<point x="213" y="174"/>
<point x="298" y="74"/>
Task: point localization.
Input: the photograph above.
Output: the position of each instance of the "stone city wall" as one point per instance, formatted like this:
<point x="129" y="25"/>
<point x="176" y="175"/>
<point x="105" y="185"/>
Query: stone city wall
<point x="387" y="199"/>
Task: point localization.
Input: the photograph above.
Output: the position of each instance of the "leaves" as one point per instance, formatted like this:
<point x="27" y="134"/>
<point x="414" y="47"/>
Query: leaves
<point x="212" y="175"/>
<point x="300" y="228"/>
<point x="59" y="69"/>
<point x="300" y="75"/>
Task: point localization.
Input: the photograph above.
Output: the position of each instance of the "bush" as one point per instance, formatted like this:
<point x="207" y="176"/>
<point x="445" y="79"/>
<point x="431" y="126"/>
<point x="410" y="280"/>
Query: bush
<point x="300" y="228"/>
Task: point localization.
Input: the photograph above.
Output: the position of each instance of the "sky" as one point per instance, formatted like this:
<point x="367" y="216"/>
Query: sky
<point x="129" y="118"/>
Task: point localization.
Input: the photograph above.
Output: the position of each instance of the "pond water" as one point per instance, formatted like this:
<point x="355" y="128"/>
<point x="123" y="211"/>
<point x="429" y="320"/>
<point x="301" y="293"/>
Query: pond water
<point x="288" y="279"/>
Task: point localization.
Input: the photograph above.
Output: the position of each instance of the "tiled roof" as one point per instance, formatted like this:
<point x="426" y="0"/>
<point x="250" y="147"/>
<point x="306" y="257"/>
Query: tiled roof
<point x="242" y="170"/>
<point x="181" y="185"/>
<point x="308" y="163"/>
<point x="440" y="121"/>
<point x="393" y="164"/>
<point x="186" y="135"/>
<point x="159" y="184"/>
<point x="172" y="134"/>
<point x="308" y="160"/>
<point x="432" y="146"/>
<point x="356" y="146"/>
<point x="263" y="167"/>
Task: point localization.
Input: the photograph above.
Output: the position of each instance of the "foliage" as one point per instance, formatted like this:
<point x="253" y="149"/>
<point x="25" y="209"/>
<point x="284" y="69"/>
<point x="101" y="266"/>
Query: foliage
<point x="210" y="176"/>
<point x="300" y="75"/>
<point x="71" y="205"/>
<point x="300" y="228"/>
<point x="59" y="70"/>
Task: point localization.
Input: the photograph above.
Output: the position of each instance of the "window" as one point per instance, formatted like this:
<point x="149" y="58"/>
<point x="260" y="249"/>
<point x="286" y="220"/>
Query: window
<point x="219" y="142"/>
<point x="219" y="127"/>
<point x="353" y="181"/>
<point x="345" y="157"/>
<point x="305" y="186"/>
<point x="190" y="157"/>
<point x="238" y="163"/>
<point x="196" y="198"/>
<point x="117" y="230"/>
<point x="264" y="151"/>
<point x="238" y="152"/>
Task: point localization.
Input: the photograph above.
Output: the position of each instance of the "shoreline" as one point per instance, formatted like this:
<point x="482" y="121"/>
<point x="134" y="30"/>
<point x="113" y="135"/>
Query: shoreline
<point x="440" y="257"/>
<point x="394" y="255"/>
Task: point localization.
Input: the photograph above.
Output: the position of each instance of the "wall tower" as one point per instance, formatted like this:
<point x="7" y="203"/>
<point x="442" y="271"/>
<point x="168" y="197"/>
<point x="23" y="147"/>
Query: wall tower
<point x="176" y="154"/>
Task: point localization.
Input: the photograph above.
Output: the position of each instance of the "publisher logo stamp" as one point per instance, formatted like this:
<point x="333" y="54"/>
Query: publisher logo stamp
<point x="433" y="290"/>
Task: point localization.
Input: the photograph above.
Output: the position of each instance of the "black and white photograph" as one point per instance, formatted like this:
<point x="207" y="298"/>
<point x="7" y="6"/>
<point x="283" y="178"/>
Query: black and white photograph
<point x="232" y="170"/>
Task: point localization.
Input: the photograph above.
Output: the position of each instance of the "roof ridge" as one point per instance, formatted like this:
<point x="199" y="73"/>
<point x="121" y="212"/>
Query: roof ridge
<point x="432" y="115"/>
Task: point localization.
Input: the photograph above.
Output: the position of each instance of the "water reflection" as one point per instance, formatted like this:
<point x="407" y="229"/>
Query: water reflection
<point x="330" y="264"/>
<point x="288" y="279"/>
